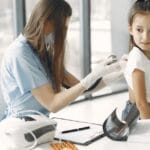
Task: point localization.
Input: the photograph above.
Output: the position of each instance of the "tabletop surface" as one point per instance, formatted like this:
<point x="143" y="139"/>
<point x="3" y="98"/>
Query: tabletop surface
<point x="97" y="111"/>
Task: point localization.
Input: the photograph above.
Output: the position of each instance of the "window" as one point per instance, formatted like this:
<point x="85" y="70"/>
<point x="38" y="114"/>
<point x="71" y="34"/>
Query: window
<point x="102" y="27"/>
<point x="73" y="49"/>
<point x="73" y="38"/>
<point x="100" y="32"/>
<point x="6" y="25"/>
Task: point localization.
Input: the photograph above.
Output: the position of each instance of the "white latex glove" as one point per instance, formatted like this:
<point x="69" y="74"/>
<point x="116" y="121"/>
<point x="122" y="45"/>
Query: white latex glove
<point x="112" y="77"/>
<point x="109" y="78"/>
<point x="105" y="81"/>
<point x="102" y="70"/>
<point x="125" y="57"/>
<point x="123" y="61"/>
<point x="109" y="60"/>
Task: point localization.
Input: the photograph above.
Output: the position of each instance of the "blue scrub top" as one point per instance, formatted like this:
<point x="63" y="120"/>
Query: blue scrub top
<point x="22" y="71"/>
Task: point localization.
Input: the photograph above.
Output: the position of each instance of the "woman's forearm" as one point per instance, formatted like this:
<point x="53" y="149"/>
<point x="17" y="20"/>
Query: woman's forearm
<point x="62" y="99"/>
<point x="56" y="101"/>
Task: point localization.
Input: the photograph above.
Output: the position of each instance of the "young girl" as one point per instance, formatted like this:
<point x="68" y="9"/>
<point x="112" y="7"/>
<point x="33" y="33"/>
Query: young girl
<point x="137" y="72"/>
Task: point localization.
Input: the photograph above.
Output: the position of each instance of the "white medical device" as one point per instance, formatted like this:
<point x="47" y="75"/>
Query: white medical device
<point x="27" y="131"/>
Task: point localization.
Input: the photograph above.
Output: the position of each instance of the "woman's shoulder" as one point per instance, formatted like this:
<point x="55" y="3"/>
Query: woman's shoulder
<point x="19" y="48"/>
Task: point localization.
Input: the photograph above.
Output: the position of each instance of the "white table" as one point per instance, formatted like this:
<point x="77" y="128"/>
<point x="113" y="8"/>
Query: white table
<point x="97" y="111"/>
<point x="106" y="144"/>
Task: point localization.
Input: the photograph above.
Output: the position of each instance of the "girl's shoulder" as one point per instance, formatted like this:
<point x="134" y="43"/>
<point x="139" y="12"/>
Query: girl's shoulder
<point x="137" y="60"/>
<point x="136" y="54"/>
<point x="135" y="51"/>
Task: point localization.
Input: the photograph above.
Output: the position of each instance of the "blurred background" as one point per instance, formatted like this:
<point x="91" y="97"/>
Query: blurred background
<point x="97" y="29"/>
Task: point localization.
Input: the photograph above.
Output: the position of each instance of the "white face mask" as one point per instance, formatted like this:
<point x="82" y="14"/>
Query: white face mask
<point x="49" y="40"/>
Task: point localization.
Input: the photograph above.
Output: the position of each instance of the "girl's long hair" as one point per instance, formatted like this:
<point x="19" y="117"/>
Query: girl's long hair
<point x="56" y="11"/>
<point x="139" y="7"/>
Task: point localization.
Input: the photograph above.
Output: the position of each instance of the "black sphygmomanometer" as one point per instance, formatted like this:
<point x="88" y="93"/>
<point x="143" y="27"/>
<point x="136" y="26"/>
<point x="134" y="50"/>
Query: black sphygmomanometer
<point x="119" y="123"/>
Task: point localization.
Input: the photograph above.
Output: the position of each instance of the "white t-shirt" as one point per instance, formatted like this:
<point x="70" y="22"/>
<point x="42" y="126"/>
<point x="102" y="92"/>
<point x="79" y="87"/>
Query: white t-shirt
<point x="137" y="60"/>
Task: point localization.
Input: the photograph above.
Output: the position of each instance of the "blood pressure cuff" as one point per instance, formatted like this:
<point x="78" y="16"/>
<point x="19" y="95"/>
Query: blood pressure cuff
<point x="118" y="128"/>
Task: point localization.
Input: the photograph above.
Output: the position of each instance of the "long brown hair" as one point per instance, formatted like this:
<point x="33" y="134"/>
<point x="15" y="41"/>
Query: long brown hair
<point x="139" y="7"/>
<point x="56" y="11"/>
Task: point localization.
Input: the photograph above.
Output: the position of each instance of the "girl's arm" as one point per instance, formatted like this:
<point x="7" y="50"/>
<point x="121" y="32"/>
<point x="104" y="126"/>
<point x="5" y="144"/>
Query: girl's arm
<point x="139" y="91"/>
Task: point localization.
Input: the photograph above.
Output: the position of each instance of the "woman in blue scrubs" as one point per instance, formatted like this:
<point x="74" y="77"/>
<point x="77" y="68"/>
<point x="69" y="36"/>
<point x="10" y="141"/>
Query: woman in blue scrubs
<point x="33" y="71"/>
